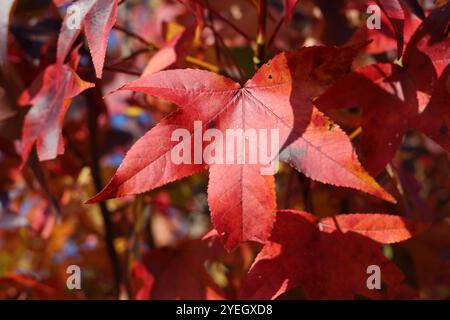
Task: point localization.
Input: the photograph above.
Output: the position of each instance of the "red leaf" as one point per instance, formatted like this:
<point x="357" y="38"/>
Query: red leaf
<point x="59" y="3"/>
<point x="384" y="39"/>
<point x="97" y="17"/>
<point x="435" y="120"/>
<point x="25" y="283"/>
<point x="5" y="13"/>
<point x="325" y="153"/>
<point x="142" y="281"/>
<point x="177" y="273"/>
<point x="172" y="53"/>
<point x="289" y="6"/>
<point x="299" y="254"/>
<point x="278" y="96"/>
<point x="416" y="8"/>
<point x="396" y="15"/>
<point x="32" y="287"/>
<point x="242" y="202"/>
<point x="401" y="92"/>
<point x="383" y="228"/>
<point x="50" y="94"/>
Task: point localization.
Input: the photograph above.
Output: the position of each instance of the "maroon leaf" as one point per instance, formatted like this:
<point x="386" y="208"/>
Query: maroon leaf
<point x="402" y="92"/>
<point x="396" y="15"/>
<point x="327" y="265"/>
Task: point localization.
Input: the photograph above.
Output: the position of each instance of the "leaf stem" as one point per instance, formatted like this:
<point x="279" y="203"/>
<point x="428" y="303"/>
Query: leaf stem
<point x="259" y="56"/>
<point x="214" y="31"/>
<point x="355" y="133"/>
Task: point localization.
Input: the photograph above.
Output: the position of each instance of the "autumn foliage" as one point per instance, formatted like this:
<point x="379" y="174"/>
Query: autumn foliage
<point x="92" y="92"/>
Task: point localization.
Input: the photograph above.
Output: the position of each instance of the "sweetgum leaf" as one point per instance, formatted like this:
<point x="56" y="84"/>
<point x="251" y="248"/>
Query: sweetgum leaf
<point x="414" y="95"/>
<point x="50" y="95"/>
<point x="328" y="264"/>
<point x="279" y="96"/>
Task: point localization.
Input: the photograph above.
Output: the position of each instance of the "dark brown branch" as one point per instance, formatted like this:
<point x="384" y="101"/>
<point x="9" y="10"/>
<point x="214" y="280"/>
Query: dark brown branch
<point x="95" y="104"/>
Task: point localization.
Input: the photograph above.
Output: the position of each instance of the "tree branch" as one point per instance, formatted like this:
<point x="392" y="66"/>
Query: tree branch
<point x="95" y="104"/>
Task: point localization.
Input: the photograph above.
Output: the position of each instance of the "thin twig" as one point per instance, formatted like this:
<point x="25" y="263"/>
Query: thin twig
<point x="275" y="33"/>
<point x="225" y="20"/>
<point x="122" y="70"/>
<point x="214" y="31"/>
<point x="254" y="3"/>
<point x="229" y="55"/>
<point x="135" y="36"/>
<point x="355" y="133"/>
<point x="259" y="56"/>
<point x="338" y="228"/>
<point x="390" y="169"/>
<point x="129" y="57"/>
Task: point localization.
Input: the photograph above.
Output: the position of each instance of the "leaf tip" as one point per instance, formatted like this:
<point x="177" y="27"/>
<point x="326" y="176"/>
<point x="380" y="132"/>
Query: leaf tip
<point x="107" y="193"/>
<point x="388" y="197"/>
<point x="113" y="91"/>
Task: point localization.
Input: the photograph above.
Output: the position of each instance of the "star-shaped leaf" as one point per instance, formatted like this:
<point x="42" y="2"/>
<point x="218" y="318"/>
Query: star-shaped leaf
<point x="278" y="97"/>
